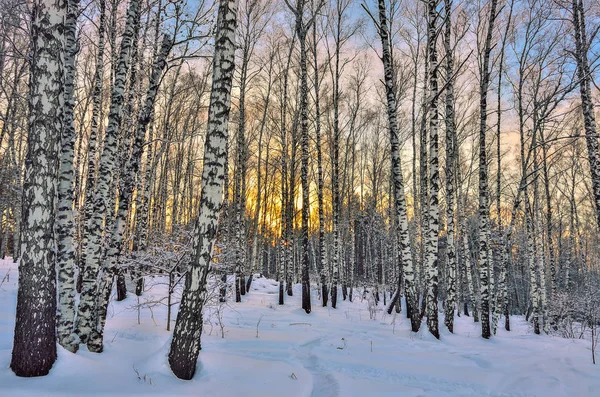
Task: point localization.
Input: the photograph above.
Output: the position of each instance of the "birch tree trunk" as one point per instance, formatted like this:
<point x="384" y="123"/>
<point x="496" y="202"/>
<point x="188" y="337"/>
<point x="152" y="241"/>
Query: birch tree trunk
<point x="450" y="177"/>
<point x="65" y="256"/>
<point x="502" y="300"/>
<point x="90" y="183"/>
<point x="34" y="346"/>
<point x="587" y="105"/>
<point x="533" y="263"/>
<point x="302" y="28"/>
<point x="335" y="161"/>
<point x="132" y="104"/>
<point x="306" y="303"/>
<point x="185" y="345"/>
<point x="86" y="315"/>
<point x="321" y="209"/>
<point x="144" y="192"/>
<point x="239" y="194"/>
<point x="468" y="259"/>
<point x="284" y="262"/>
<point x="434" y="176"/>
<point x="484" y="206"/>
<point x="290" y="215"/>
<point x="399" y="197"/>
<point x="537" y="269"/>
<point x="423" y="225"/>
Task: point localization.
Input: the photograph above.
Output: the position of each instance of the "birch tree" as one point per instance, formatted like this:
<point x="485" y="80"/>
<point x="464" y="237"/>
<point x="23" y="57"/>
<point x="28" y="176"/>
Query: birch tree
<point x="93" y="138"/>
<point x="185" y="345"/>
<point x="484" y="207"/>
<point x="34" y="346"/>
<point x="450" y="165"/>
<point x="582" y="47"/>
<point x="65" y="256"/>
<point x="324" y="266"/>
<point x="501" y="307"/>
<point x="434" y="177"/>
<point x="302" y="27"/>
<point x="399" y="195"/>
<point x="86" y="315"/>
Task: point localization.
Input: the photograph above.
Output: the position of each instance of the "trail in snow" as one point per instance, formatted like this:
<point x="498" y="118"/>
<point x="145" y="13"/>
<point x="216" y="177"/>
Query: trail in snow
<point x="324" y="383"/>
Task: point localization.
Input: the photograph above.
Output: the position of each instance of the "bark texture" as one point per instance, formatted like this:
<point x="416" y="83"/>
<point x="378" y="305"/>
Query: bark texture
<point x="126" y="187"/>
<point x="34" y="347"/>
<point x="86" y="315"/>
<point x="484" y="205"/>
<point x="185" y="345"/>
<point x="65" y="225"/>
<point x="399" y="195"/>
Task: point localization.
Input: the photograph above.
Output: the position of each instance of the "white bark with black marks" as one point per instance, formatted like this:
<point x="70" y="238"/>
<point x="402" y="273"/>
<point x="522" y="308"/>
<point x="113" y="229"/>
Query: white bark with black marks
<point x="484" y="205"/>
<point x="399" y="195"/>
<point x="95" y="132"/>
<point x="431" y="268"/>
<point x="324" y="273"/>
<point x="451" y="262"/>
<point x="65" y="225"/>
<point x="584" y="75"/>
<point x="185" y="345"/>
<point x="34" y="346"/>
<point x="86" y="316"/>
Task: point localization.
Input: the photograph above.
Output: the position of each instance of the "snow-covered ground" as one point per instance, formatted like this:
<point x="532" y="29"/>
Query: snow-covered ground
<point x="327" y="353"/>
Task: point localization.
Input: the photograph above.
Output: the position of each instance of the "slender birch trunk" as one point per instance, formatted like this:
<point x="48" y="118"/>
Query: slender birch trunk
<point x="285" y="224"/>
<point x="86" y="316"/>
<point x="240" y="176"/>
<point x="291" y="208"/>
<point x="185" y="345"/>
<point x="132" y="104"/>
<point x="484" y="206"/>
<point x="533" y="264"/>
<point x="399" y="196"/>
<point x="539" y="295"/>
<point x="302" y="28"/>
<point x="65" y="227"/>
<point x="424" y="189"/>
<point x="550" y="247"/>
<point x="450" y="178"/>
<point x="95" y="132"/>
<point x="434" y="176"/>
<point x="321" y="209"/>
<point x="469" y="270"/>
<point x="587" y="106"/>
<point x="501" y="306"/>
<point x="335" y="162"/>
<point x="144" y="188"/>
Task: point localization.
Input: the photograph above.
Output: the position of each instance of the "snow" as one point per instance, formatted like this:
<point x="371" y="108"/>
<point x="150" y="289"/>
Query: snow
<point x="330" y="352"/>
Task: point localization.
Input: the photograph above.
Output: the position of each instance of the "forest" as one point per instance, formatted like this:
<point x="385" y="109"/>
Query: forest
<point x="438" y="159"/>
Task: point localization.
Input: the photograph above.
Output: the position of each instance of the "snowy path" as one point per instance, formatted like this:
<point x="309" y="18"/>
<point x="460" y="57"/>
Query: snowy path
<point x="327" y="353"/>
<point x="324" y="382"/>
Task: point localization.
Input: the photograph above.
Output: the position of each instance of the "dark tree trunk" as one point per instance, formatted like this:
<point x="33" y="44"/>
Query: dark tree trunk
<point x="484" y="207"/>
